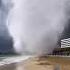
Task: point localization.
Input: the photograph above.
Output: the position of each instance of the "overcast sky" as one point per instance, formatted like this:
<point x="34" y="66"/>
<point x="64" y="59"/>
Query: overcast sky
<point x="5" y="39"/>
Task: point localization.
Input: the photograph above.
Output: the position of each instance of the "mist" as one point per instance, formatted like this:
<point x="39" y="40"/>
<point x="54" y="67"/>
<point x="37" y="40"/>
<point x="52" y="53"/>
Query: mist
<point x="36" y="25"/>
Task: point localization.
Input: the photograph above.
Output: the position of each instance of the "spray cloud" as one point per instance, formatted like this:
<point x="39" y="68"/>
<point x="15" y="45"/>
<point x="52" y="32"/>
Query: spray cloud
<point x="36" y="25"/>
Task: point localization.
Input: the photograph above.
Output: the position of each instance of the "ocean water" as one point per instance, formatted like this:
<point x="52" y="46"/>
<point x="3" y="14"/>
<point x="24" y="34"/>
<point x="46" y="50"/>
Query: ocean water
<point x="12" y="59"/>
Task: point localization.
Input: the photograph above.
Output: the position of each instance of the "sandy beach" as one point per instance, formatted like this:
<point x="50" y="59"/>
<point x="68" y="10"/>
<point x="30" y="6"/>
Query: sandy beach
<point x="50" y="63"/>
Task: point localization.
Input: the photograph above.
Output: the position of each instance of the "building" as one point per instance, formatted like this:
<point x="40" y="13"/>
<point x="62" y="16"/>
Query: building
<point x="64" y="49"/>
<point x="65" y="43"/>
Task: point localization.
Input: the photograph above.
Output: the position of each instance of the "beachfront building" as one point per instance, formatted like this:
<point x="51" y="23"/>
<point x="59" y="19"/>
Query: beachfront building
<point x="64" y="49"/>
<point x="65" y="43"/>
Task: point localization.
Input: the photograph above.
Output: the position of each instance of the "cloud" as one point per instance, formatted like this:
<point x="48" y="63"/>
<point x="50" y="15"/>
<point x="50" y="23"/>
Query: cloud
<point x="36" y="25"/>
<point x="5" y="38"/>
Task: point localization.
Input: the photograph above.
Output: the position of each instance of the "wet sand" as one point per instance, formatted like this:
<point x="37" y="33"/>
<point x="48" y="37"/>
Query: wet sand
<point x="49" y="63"/>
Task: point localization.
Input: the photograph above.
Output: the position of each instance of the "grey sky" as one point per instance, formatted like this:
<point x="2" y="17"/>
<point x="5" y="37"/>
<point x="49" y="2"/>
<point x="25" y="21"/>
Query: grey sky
<point x="37" y="23"/>
<point x="5" y="39"/>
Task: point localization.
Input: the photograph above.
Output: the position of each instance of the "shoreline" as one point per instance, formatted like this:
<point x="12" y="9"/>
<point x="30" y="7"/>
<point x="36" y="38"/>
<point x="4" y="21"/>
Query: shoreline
<point x="10" y="60"/>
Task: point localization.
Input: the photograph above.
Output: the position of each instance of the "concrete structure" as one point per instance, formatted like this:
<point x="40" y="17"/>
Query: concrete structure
<point x="65" y="43"/>
<point x="64" y="49"/>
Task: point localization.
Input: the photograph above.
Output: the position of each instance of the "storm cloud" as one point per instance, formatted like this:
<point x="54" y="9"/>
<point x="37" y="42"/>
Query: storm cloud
<point x="6" y="41"/>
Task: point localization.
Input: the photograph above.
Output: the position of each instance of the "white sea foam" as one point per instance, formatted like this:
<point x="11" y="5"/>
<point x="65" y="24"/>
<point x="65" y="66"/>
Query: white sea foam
<point x="15" y="59"/>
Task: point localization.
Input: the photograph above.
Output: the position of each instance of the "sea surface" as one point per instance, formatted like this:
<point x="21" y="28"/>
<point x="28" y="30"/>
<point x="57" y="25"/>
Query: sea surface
<point x="12" y="59"/>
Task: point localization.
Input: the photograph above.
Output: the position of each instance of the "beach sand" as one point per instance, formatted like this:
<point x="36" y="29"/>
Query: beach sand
<point x="49" y="63"/>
